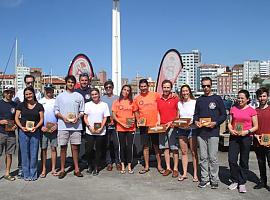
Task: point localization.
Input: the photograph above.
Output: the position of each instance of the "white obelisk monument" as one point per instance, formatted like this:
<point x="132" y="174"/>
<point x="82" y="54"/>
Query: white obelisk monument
<point x="116" y="47"/>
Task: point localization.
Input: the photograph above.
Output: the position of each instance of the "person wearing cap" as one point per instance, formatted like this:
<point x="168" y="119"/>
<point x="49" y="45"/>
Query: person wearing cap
<point x="49" y="130"/>
<point x="7" y="135"/>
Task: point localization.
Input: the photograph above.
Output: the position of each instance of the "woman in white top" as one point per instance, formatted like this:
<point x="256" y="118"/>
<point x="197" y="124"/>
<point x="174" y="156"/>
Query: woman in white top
<point x="186" y="107"/>
<point x="96" y="113"/>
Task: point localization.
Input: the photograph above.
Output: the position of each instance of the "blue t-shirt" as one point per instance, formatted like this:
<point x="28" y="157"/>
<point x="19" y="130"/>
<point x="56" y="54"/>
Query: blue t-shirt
<point x="7" y="111"/>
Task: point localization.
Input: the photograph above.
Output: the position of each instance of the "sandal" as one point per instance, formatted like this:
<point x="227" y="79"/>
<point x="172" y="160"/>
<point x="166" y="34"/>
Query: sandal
<point x="161" y="171"/>
<point x="54" y="173"/>
<point x="195" y="179"/>
<point x="182" y="178"/>
<point x="9" y="178"/>
<point x="143" y="171"/>
<point x="123" y="171"/>
<point x="130" y="171"/>
<point x="42" y="175"/>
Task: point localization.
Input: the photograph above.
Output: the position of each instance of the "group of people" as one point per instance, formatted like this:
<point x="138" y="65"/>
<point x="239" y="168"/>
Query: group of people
<point x="107" y="124"/>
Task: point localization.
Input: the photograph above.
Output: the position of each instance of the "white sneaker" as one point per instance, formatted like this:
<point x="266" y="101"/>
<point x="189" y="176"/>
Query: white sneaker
<point x="233" y="186"/>
<point x="242" y="189"/>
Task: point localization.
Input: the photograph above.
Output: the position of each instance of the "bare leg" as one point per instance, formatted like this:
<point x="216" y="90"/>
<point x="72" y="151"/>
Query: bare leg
<point x="75" y="155"/>
<point x="167" y="158"/>
<point x="129" y="167"/>
<point x="63" y="155"/>
<point x="184" y="149"/>
<point x="8" y="163"/>
<point x="43" y="161"/>
<point x="193" y="148"/>
<point x="158" y="157"/>
<point x="146" y="157"/>
<point x="53" y="159"/>
<point x="175" y="160"/>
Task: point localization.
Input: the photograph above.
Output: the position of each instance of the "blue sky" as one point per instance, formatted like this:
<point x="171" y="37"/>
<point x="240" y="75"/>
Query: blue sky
<point x="52" y="32"/>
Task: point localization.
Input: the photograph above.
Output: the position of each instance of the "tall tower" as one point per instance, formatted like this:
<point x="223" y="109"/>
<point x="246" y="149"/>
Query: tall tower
<point x="116" y="47"/>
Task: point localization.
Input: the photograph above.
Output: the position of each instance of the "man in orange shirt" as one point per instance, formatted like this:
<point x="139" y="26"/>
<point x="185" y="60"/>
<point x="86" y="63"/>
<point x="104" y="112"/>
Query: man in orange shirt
<point x="148" y="112"/>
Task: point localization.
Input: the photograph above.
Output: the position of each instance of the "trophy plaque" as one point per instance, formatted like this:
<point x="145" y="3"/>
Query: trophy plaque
<point x="71" y="116"/>
<point x="141" y="122"/>
<point x="97" y="126"/>
<point x="10" y="125"/>
<point x="29" y="125"/>
<point x="263" y="139"/>
<point x="130" y="122"/>
<point x="205" y="121"/>
<point x="157" y="129"/>
<point x="266" y="139"/>
<point x="239" y="127"/>
<point x="49" y="126"/>
<point x="181" y="123"/>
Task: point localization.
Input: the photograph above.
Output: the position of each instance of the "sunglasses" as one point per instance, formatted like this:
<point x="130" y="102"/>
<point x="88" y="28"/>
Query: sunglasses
<point x="29" y="83"/>
<point x="204" y="86"/>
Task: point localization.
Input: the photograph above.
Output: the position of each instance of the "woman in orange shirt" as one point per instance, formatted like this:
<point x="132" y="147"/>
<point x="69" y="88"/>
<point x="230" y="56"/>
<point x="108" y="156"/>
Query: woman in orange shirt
<point x="123" y="113"/>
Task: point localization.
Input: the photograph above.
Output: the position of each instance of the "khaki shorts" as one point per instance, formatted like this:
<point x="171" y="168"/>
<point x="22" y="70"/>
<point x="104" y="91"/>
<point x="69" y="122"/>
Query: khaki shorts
<point x="7" y="142"/>
<point x="65" y="136"/>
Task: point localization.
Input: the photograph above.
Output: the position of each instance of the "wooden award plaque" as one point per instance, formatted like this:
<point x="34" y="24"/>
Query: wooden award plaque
<point x="141" y="121"/>
<point x="9" y="126"/>
<point x="239" y="127"/>
<point x="130" y="122"/>
<point x="49" y="126"/>
<point x="157" y="129"/>
<point x="181" y="123"/>
<point x="29" y="125"/>
<point x="97" y="126"/>
<point x="205" y="121"/>
<point x="71" y="116"/>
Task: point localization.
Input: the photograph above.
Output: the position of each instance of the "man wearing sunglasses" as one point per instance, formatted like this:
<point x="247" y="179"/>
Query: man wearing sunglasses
<point x="29" y="81"/>
<point x="209" y="114"/>
<point x="112" y="150"/>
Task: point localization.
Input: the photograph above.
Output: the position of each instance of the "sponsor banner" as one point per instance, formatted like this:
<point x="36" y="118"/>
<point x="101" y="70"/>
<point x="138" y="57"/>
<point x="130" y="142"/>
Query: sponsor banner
<point x="170" y="68"/>
<point x="79" y="65"/>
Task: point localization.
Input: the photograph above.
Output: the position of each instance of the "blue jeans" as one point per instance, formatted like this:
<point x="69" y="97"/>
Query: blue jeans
<point x="29" y="143"/>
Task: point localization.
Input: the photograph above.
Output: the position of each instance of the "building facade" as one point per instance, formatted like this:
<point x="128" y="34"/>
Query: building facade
<point x="212" y="71"/>
<point x="102" y="76"/>
<point x="224" y="83"/>
<point x="21" y="71"/>
<point x="251" y="68"/>
<point x="37" y="73"/>
<point x="237" y="78"/>
<point x="6" y="80"/>
<point x="189" y="75"/>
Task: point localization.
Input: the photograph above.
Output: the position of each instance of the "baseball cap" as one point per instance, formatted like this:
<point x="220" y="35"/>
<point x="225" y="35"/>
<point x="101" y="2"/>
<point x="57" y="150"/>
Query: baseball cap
<point x="48" y="86"/>
<point x="9" y="88"/>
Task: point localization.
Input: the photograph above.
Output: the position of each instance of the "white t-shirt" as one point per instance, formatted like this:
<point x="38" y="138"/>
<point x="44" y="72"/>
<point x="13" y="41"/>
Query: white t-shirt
<point x="19" y="97"/>
<point x="186" y="109"/>
<point x="48" y="105"/>
<point x="96" y="113"/>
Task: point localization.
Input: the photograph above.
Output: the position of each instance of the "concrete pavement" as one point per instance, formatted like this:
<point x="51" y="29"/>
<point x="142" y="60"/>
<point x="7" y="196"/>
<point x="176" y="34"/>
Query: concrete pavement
<point x="113" y="185"/>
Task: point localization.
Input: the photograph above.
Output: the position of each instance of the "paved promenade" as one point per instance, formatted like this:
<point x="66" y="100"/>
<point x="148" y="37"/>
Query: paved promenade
<point x="113" y="185"/>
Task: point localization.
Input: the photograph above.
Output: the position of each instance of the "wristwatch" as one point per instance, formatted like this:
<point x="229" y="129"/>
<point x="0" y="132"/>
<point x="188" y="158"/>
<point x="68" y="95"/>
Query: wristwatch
<point x="249" y="131"/>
